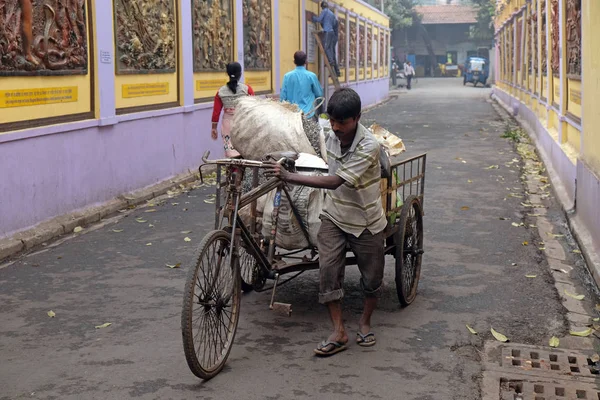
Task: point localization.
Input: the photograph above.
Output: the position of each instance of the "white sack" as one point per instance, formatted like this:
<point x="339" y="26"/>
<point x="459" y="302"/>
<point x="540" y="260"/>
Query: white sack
<point x="309" y="203"/>
<point x="263" y="126"/>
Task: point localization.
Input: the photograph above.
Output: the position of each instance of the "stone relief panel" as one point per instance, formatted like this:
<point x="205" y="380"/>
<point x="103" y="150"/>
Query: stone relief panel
<point x="533" y="22"/>
<point x="257" y="34"/>
<point x="43" y="37"/>
<point x="573" y="8"/>
<point x="213" y="34"/>
<point x="555" y="33"/>
<point x="145" y="35"/>
<point x="361" y="46"/>
<point x="544" y="41"/>
<point x="382" y="47"/>
<point x="352" y="38"/>
<point x="369" y="47"/>
<point x="342" y="43"/>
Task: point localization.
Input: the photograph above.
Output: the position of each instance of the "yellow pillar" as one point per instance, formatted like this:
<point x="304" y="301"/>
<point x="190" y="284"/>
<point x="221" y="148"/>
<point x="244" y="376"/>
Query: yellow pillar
<point x="590" y="31"/>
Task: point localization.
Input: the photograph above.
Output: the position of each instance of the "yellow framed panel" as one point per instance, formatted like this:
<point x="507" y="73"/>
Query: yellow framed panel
<point x="47" y="78"/>
<point x="369" y="39"/>
<point x="361" y="50"/>
<point x="353" y="38"/>
<point x="213" y="30"/>
<point x="259" y="46"/>
<point x="146" y="59"/>
<point x="341" y="58"/>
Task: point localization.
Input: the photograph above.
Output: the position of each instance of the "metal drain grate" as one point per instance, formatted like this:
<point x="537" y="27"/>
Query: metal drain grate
<point x="557" y="361"/>
<point x="512" y="389"/>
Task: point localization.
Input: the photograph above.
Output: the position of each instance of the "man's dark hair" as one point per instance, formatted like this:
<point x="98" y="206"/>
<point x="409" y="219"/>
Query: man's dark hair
<point x="300" y="58"/>
<point x="344" y="103"/>
<point x="324" y="4"/>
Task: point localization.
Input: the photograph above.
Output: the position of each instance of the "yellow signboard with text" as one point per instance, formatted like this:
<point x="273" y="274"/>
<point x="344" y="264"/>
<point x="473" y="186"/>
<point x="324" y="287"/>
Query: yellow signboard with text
<point x="38" y="96"/>
<point x="145" y="90"/>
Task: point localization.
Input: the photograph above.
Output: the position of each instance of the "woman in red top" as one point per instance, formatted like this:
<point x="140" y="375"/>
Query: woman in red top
<point x="226" y="100"/>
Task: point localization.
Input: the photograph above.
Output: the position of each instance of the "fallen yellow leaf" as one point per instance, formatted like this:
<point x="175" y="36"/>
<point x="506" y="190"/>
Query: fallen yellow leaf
<point x="575" y="296"/>
<point x="499" y="337"/>
<point x="150" y="210"/>
<point x="77" y="229"/>
<point x="584" y="333"/>
<point x="473" y="331"/>
<point x="173" y="265"/>
<point x="554" y="341"/>
<point x="141" y="221"/>
<point x="148" y="244"/>
<point x="186" y="232"/>
<point x="105" y="325"/>
<point x="531" y="276"/>
<point x="525" y="243"/>
<point x="464" y="208"/>
<point x="117" y="230"/>
<point x="51" y="314"/>
<point x="187" y="239"/>
<point x="576" y="251"/>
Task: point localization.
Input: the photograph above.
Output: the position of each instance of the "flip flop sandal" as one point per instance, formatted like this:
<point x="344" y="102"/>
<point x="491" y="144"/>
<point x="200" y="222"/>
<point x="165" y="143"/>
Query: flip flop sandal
<point x="367" y="340"/>
<point x="329" y="348"/>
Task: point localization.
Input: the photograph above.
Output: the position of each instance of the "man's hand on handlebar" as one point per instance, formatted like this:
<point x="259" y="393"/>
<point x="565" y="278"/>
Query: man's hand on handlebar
<point x="276" y="170"/>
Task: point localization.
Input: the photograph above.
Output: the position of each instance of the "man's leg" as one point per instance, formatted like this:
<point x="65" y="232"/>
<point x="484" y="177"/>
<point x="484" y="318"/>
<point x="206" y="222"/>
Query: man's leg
<point x="369" y="251"/>
<point x="332" y="263"/>
<point x="330" y="50"/>
<point x="408" y="79"/>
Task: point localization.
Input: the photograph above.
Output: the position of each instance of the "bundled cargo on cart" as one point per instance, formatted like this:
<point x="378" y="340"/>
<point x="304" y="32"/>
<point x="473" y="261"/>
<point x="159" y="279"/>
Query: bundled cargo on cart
<point x="263" y="126"/>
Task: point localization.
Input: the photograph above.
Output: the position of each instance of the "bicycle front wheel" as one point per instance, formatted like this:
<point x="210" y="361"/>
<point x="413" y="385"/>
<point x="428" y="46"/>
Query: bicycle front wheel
<point x="211" y="306"/>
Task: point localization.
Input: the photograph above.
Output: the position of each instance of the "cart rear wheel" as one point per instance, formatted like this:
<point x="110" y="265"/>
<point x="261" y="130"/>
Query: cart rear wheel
<point x="211" y="306"/>
<point x="409" y="250"/>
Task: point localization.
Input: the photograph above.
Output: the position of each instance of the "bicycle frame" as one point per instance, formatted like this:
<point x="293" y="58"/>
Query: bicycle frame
<point x="235" y="201"/>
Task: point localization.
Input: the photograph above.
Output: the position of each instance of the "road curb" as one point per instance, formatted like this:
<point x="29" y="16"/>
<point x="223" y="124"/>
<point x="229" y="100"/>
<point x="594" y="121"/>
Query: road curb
<point x="64" y="224"/>
<point x="580" y="233"/>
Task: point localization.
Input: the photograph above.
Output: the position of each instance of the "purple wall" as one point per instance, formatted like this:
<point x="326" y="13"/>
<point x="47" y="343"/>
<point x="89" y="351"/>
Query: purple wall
<point x="50" y="175"/>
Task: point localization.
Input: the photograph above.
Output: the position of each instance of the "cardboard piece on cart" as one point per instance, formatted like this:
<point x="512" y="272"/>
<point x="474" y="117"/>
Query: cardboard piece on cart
<point x="392" y="143"/>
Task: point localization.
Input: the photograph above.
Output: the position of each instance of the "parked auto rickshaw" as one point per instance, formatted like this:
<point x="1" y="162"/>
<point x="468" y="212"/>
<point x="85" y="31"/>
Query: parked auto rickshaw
<point x="476" y="71"/>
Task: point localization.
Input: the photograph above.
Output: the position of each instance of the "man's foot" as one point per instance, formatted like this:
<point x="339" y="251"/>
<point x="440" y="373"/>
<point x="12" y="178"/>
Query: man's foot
<point x="329" y="348"/>
<point x="367" y="340"/>
<point x="334" y="344"/>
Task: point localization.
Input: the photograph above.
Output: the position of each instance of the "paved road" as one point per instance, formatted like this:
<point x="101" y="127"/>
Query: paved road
<point x="422" y="352"/>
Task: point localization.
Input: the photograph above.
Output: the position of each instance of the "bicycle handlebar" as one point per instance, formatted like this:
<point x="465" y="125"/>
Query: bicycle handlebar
<point x="240" y="162"/>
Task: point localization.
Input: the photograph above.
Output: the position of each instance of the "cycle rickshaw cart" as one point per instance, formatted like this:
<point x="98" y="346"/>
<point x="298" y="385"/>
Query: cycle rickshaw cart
<point x="235" y="257"/>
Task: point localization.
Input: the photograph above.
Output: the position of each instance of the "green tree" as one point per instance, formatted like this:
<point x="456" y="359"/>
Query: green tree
<point x="401" y="12"/>
<point x="484" y="29"/>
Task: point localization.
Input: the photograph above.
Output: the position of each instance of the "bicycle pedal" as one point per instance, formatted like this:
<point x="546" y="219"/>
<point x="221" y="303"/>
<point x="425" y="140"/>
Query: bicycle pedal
<point x="282" y="309"/>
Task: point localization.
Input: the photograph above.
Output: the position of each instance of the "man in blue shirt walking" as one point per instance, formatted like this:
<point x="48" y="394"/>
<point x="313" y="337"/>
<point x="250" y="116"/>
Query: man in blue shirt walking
<point x="301" y="86"/>
<point x="330" y="24"/>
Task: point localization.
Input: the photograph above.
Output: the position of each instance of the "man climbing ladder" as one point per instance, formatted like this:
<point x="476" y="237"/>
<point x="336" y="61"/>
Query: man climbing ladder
<point x="330" y="24"/>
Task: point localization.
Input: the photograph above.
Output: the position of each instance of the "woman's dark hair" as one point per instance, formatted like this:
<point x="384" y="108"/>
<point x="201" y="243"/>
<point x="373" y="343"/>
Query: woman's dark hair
<point x="234" y="71"/>
<point x="344" y="103"/>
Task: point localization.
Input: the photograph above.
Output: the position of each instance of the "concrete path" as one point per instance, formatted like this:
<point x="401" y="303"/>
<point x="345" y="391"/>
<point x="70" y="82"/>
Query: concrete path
<point x="474" y="272"/>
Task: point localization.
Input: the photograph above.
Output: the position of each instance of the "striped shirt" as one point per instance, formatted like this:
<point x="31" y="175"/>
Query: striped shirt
<point x="356" y="204"/>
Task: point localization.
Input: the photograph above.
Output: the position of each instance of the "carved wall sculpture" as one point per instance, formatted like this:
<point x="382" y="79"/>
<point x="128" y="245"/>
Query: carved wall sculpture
<point x="361" y="46"/>
<point x="46" y="37"/>
<point x="257" y="34"/>
<point x="382" y="46"/>
<point x="352" y="54"/>
<point x="342" y="43"/>
<point x="555" y="61"/>
<point x="544" y="42"/>
<point x="533" y="22"/>
<point x="213" y="38"/>
<point x="145" y="35"/>
<point x="518" y="44"/>
<point x="369" y="47"/>
<point x="574" y="37"/>
<point x="529" y="43"/>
